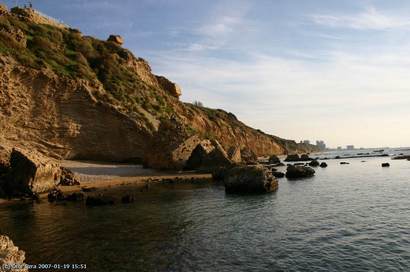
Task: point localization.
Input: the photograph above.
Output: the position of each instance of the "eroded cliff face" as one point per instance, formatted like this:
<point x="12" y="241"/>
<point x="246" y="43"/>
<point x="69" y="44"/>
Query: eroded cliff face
<point x="75" y="97"/>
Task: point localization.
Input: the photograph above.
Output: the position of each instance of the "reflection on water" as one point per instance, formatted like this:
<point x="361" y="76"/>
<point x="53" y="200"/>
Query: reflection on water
<point x="347" y="218"/>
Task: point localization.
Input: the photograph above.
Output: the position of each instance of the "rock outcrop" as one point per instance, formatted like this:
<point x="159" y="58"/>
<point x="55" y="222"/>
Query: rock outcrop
<point x="274" y="159"/>
<point x="234" y="154"/>
<point x="11" y="257"/>
<point x="31" y="173"/>
<point x="249" y="180"/>
<point x="298" y="171"/>
<point x="117" y="39"/>
<point x="208" y="156"/>
<point x="100" y="102"/>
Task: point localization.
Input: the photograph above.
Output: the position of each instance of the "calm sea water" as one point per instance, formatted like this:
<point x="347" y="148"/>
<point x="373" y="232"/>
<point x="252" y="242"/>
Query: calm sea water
<point x="352" y="217"/>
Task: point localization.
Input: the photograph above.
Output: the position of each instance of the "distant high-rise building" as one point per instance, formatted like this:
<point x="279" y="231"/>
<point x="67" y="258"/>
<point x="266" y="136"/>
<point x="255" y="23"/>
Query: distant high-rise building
<point x="321" y="145"/>
<point x="350" y="147"/>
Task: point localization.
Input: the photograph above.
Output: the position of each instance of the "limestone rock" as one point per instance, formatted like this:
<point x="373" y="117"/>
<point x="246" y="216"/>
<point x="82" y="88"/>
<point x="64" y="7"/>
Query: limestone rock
<point x="10" y="255"/>
<point x="274" y="159"/>
<point x="207" y="156"/>
<point x="171" y="87"/>
<point x="234" y="154"/>
<point x="292" y="158"/>
<point x="249" y="180"/>
<point x="31" y="173"/>
<point x="116" y="39"/>
<point x="298" y="171"/>
<point x="248" y="156"/>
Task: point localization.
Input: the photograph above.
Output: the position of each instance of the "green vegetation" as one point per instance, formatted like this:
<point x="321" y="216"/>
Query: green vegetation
<point x="68" y="53"/>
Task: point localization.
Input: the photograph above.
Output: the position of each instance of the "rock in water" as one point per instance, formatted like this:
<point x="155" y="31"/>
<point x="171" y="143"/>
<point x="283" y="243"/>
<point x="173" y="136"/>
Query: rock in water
<point x="292" y="158"/>
<point x="249" y="180"/>
<point x="31" y="173"/>
<point x="10" y="255"/>
<point x="314" y="163"/>
<point x="274" y="159"/>
<point x="305" y="157"/>
<point x="277" y="174"/>
<point x="295" y="172"/>
<point x="323" y="165"/>
<point x="386" y="164"/>
<point x="344" y="162"/>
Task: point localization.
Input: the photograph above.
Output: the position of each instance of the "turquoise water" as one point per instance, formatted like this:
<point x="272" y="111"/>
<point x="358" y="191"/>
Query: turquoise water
<point x="347" y="218"/>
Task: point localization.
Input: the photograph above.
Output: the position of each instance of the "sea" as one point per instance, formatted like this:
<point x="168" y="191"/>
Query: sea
<point x="350" y="217"/>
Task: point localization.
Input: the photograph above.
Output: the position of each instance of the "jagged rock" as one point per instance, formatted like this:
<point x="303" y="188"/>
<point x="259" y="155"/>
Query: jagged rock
<point x="99" y="200"/>
<point x="11" y="257"/>
<point x="172" y="146"/>
<point x="249" y="180"/>
<point x="116" y="39"/>
<point x="207" y="156"/>
<point x="67" y="177"/>
<point x="385" y="164"/>
<point x="323" y="165"/>
<point x="31" y="173"/>
<point x="314" y="163"/>
<point x="292" y="158"/>
<point x="234" y="154"/>
<point x="295" y="172"/>
<point x="274" y="159"/>
<point x="248" y="156"/>
<point x="171" y="87"/>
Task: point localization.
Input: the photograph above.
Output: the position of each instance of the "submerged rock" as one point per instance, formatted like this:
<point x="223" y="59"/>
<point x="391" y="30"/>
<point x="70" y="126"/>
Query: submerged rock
<point x="249" y="180"/>
<point x="344" y="162"/>
<point x="11" y="256"/>
<point x="385" y="164"/>
<point x="296" y="171"/>
<point x="100" y="200"/>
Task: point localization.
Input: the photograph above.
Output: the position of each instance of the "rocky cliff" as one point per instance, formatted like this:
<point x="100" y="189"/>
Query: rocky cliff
<point x="76" y="97"/>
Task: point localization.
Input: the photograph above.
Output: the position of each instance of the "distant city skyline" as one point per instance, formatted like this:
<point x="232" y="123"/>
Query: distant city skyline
<point x="331" y="70"/>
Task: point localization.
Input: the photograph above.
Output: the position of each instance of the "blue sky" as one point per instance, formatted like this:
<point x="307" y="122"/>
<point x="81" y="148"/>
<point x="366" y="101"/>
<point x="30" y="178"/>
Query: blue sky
<point x="331" y="70"/>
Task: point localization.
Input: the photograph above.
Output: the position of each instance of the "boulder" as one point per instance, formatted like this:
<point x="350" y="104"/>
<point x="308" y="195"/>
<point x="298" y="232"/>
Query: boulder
<point x="385" y="164"/>
<point x="234" y="154"/>
<point x="207" y="156"/>
<point x="116" y="39"/>
<point x="314" y="163"/>
<point x="323" y="165"/>
<point x="67" y="177"/>
<point x="11" y="257"/>
<point x="31" y="173"/>
<point x="292" y="158"/>
<point x="249" y="180"/>
<point x="295" y="172"/>
<point x="305" y="157"/>
<point x="274" y="159"/>
<point x="169" y="86"/>
<point x="248" y="156"/>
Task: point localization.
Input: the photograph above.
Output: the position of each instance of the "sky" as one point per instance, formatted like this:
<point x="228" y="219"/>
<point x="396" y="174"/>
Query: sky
<point x="330" y="70"/>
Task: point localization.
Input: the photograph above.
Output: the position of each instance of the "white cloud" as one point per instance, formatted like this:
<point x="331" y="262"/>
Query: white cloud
<point x="370" y="19"/>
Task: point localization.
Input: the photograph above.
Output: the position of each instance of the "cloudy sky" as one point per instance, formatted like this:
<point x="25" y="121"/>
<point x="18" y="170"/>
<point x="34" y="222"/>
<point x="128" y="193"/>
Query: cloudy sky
<point x="332" y="70"/>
